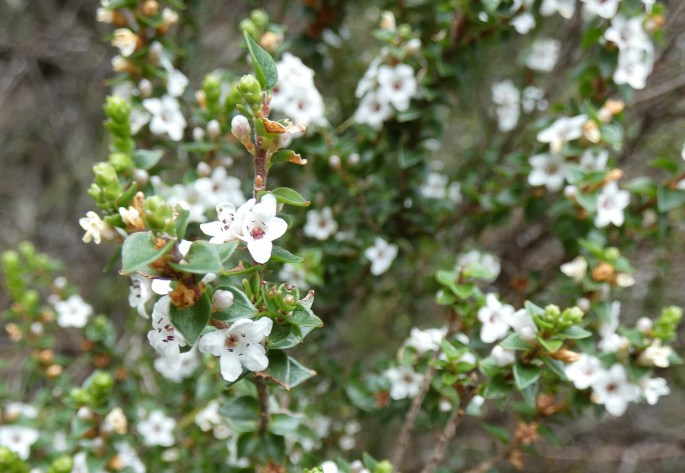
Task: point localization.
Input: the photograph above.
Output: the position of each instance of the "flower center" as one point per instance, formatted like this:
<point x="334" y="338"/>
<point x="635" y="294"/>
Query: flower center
<point x="257" y="233"/>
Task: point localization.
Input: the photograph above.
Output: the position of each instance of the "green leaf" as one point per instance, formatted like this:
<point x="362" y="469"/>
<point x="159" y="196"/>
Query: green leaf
<point x="181" y="222"/>
<point x="191" y="320"/>
<point x="284" y="336"/>
<point x="139" y="250"/>
<point x="286" y="371"/>
<point x="500" y="433"/>
<point x="264" y="65"/>
<point x="450" y="351"/>
<point x="525" y="375"/>
<point x="241" y="412"/>
<point x="515" y="342"/>
<point x="556" y="366"/>
<point x="286" y="155"/>
<point x="242" y="307"/>
<point x="202" y="258"/>
<point x="669" y="199"/>
<point x="284" y="424"/>
<point x="552" y="345"/>
<point x="281" y="255"/>
<point x="289" y="196"/>
<point x="225" y="250"/>
<point x="575" y="333"/>
<point x="302" y="316"/>
<point x="147" y="158"/>
<point x="497" y="387"/>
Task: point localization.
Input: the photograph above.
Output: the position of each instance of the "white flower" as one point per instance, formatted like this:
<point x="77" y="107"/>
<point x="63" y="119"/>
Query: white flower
<point x="493" y="317"/>
<point x="219" y="187"/>
<point x="296" y="95"/>
<point x="373" y="110"/>
<point x="523" y="324"/>
<point x="656" y="355"/>
<point x="405" y="382"/>
<point x="627" y="33"/>
<point x="164" y="337"/>
<point x="166" y="117"/>
<point x="330" y="467"/>
<point x="260" y="226"/>
<point x="157" y="429"/>
<point x="125" y="40"/>
<point x="397" y="85"/>
<point x="208" y="417"/>
<point x="523" y="23"/>
<point x="487" y="261"/>
<point x="602" y="8"/>
<point x="229" y="220"/>
<point x="610" y="205"/>
<point x="613" y="389"/>
<point x="584" y="371"/>
<point x="549" y="170"/>
<point x="294" y="275"/>
<point x="320" y="224"/>
<point x="502" y="356"/>
<point x="435" y="186"/>
<point x="644" y="324"/>
<point x="594" y="159"/>
<point x="239" y="346"/>
<point x="634" y="66"/>
<point x="129" y="458"/>
<point x="176" y="373"/>
<point x="533" y="98"/>
<point x="381" y="255"/>
<point x="653" y="389"/>
<point x="139" y="293"/>
<point x="115" y="421"/>
<point x="543" y="54"/>
<point x="80" y="464"/>
<point x="73" y="312"/>
<point x="18" y="439"/>
<point x="507" y="98"/>
<point x="565" y="8"/>
<point x="176" y="82"/>
<point x="96" y="229"/>
<point x="575" y="269"/>
<point x="425" y="340"/>
<point x="563" y="130"/>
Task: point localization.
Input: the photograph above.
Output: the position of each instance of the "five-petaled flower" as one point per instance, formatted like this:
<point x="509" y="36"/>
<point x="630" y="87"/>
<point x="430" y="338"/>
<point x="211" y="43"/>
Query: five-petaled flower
<point x="164" y="337"/>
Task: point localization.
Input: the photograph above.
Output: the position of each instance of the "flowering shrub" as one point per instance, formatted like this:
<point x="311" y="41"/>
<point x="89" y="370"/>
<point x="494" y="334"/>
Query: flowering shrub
<point x="477" y="214"/>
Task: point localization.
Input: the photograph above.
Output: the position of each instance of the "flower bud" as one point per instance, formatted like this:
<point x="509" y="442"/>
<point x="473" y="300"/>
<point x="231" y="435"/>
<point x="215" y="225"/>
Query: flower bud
<point x="213" y="130"/>
<point x="156" y="50"/>
<point x="604" y="272"/>
<point x="251" y="91"/>
<point x="145" y="87"/>
<point x="125" y="40"/>
<point x="222" y="299"/>
<point x="353" y="159"/>
<point x="259" y="18"/>
<point x="414" y="45"/>
<point x="198" y="134"/>
<point x="121" y="162"/>
<point x="644" y="325"/>
<point x="334" y="161"/>
<point x="240" y="127"/>
<point x="158" y="215"/>
<point x="203" y="169"/>
<point x="211" y="87"/>
<point x="99" y="385"/>
<point x="141" y="177"/>
<point x="84" y="413"/>
<point x="115" y="421"/>
<point x="62" y="464"/>
<point x="383" y="467"/>
<point x="150" y="8"/>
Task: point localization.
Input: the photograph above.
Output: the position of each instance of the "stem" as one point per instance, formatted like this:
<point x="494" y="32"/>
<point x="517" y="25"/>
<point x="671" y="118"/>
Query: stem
<point x="263" y="395"/>
<point x="450" y="430"/>
<point x="259" y="168"/>
<point x="485" y="466"/>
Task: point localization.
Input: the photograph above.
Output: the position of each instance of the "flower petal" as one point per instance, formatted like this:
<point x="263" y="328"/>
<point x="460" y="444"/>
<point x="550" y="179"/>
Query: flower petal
<point x="254" y="358"/>
<point x="213" y="342"/>
<point x="230" y="366"/>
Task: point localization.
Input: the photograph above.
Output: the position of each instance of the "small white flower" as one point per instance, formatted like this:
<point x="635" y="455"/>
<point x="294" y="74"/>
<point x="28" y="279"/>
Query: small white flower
<point x="523" y="23"/>
<point x="603" y="8"/>
<point x="80" y="464"/>
<point x="166" y="117"/>
<point x="320" y="224"/>
<point x="493" y="317"/>
<point x="208" y="417"/>
<point x="474" y="257"/>
<point x="164" y="337"/>
<point x="435" y="186"/>
<point x="405" y="382"/>
<point x="129" y="458"/>
<point x="533" y="99"/>
<point x="176" y="82"/>
<point x="565" y="8"/>
<point x="397" y="85"/>
<point x="16" y="409"/>
<point x="502" y="356"/>
<point x="381" y="255"/>
<point x="330" y="467"/>
<point x="563" y="130"/>
<point x="260" y="226"/>
<point x="644" y="324"/>
<point x="239" y="346"/>
<point x="523" y="324"/>
<point x="584" y="371"/>
<point x="373" y="110"/>
<point x="18" y="439"/>
<point x="594" y="159"/>
<point x="190" y="362"/>
<point x="294" y="275"/>
<point x="653" y="389"/>
<point x="613" y="389"/>
<point x="73" y="312"/>
<point x="507" y="98"/>
<point x="549" y="170"/>
<point x="96" y="229"/>
<point x="575" y="269"/>
<point x="543" y="54"/>
<point x="610" y="205"/>
<point x="656" y="355"/>
<point x="425" y="340"/>
<point x="115" y="421"/>
<point x="139" y="293"/>
<point x="296" y="95"/>
<point x="157" y="429"/>
<point x="219" y="187"/>
<point x="125" y="40"/>
<point x="229" y="220"/>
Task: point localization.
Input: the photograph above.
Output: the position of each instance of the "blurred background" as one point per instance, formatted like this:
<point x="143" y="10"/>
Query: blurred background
<point x="54" y="66"/>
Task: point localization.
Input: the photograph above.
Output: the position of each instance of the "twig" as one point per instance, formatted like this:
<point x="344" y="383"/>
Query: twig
<point x="502" y="455"/>
<point x="263" y="395"/>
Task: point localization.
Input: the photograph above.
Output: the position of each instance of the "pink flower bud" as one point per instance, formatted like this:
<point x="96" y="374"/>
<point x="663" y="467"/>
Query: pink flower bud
<point x="240" y="128"/>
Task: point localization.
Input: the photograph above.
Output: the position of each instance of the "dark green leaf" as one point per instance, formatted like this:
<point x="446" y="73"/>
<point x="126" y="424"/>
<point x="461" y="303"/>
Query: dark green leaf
<point x="286" y="371"/>
<point x="289" y="196"/>
<point x="202" y="258"/>
<point x="265" y="68"/>
<point x="139" y="250"/>
<point x="525" y="375"/>
<point x="575" y="333"/>
<point x="514" y="342"/>
<point x="302" y="316"/>
<point x="147" y="158"/>
<point x="242" y="307"/>
<point x="284" y="336"/>
<point x="668" y="199"/>
<point x="496" y="387"/>
<point x="281" y="255"/>
<point x="284" y="424"/>
<point x="181" y="222"/>
<point x="191" y="320"/>
<point x="551" y="345"/>
<point x="556" y="366"/>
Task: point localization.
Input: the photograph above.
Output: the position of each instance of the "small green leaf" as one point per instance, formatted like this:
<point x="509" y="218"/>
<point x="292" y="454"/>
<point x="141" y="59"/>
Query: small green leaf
<point x="304" y="317"/>
<point x="289" y="196"/>
<point x="287" y="155"/>
<point x="500" y="433"/>
<point x="202" y="258"/>
<point x="515" y="342"/>
<point x="525" y="375"/>
<point x="450" y="350"/>
<point x="225" y="250"/>
<point x="286" y="371"/>
<point x="284" y="424"/>
<point x="242" y="307"/>
<point x="139" y="250"/>
<point x="281" y="255"/>
<point x="669" y="199"/>
<point x="552" y="345"/>
<point x="497" y="387"/>
<point x="556" y="366"/>
<point x="284" y="336"/>
<point x="265" y="68"/>
<point x="181" y="222"/>
<point x="147" y="158"/>
<point x="575" y="333"/>
<point x="125" y="199"/>
<point x="191" y="320"/>
<point x="241" y="412"/>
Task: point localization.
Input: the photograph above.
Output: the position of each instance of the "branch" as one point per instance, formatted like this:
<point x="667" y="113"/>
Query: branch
<point x="263" y="395"/>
